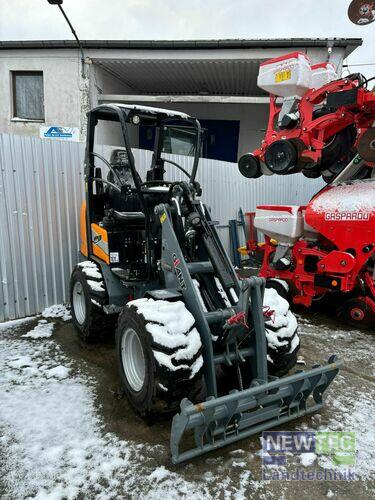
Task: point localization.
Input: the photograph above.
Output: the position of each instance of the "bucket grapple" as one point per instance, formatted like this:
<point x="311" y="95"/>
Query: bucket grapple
<point x="190" y="334"/>
<point x="222" y="421"/>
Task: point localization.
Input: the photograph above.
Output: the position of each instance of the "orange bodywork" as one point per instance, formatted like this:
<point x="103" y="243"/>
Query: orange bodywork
<point x="83" y="232"/>
<point x="100" y="242"/>
<point x="99" y="238"/>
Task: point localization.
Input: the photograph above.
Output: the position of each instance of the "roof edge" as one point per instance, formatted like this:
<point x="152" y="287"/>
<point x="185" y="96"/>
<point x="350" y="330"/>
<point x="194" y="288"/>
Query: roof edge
<point x="349" y="44"/>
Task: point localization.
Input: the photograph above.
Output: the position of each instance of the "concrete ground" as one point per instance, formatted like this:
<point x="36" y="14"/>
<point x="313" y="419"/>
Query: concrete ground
<point x="48" y="416"/>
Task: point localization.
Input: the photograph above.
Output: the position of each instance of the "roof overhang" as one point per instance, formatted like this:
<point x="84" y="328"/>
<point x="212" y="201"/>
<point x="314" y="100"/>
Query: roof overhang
<point x="193" y="67"/>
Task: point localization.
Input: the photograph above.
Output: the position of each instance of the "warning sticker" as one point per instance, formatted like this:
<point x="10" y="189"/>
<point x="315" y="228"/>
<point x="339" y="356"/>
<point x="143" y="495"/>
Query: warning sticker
<point x="282" y="76"/>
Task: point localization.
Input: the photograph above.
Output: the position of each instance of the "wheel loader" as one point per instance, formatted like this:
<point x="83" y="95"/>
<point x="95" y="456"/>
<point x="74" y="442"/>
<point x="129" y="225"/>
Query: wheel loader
<point x="191" y="337"/>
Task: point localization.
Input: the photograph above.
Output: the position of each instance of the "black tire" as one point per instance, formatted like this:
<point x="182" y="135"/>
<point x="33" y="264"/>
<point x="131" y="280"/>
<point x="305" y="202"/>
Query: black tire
<point x="283" y="344"/>
<point x="162" y="388"/>
<point x="359" y="312"/>
<point x="94" y="323"/>
<point x="279" y="287"/>
<point x="282" y="338"/>
<point x="339" y="145"/>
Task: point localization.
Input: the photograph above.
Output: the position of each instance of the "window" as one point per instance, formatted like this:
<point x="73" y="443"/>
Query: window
<point x="28" y="95"/>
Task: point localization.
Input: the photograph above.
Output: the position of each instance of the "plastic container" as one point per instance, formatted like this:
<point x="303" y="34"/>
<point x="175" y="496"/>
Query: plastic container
<point x="321" y="74"/>
<point x="283" y="223"/>
<point x="286" y="76"/>
<point x="309" y="233"/>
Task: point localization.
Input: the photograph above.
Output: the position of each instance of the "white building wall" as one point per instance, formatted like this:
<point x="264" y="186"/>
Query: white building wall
<point x="64" y="92"/>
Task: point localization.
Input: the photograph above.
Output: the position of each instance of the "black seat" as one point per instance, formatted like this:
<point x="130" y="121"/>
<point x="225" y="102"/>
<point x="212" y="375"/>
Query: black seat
<point x="122" y="203"/>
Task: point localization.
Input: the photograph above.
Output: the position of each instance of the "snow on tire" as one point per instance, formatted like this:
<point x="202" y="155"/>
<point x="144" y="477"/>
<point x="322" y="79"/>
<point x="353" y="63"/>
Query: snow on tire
<point x="281" y="332"/>
<point x="87" y="297"/>
<point x="172" y="354"/>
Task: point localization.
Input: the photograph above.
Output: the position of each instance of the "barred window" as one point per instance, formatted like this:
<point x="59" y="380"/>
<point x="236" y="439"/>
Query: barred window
<point x="28" y="95"/>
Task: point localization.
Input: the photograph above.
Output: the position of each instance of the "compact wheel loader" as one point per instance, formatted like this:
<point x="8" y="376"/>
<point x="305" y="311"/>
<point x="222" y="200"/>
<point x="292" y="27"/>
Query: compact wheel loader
<point x="190" y="336"/>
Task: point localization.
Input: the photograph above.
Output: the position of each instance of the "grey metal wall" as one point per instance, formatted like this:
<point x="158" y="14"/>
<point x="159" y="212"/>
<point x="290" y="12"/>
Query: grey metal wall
<point x="41" y="188"/>
<point x="40" y="191"/>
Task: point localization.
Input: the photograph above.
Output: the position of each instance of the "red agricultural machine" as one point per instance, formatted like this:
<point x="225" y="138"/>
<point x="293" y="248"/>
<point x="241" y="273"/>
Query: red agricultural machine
<point x="323" y="126"/>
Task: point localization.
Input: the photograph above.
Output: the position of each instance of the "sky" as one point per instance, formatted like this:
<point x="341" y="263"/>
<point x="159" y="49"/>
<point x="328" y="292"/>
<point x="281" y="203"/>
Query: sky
<point x="188" y="19"/>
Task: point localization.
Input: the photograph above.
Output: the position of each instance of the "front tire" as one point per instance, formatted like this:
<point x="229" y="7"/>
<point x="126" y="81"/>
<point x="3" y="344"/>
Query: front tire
<point x="159" y="355"/>
<point x="87" y="295"/>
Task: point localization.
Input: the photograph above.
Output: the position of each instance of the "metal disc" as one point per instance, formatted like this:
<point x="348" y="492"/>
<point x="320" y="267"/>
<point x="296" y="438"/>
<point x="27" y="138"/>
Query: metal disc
<point x="366" y="145"/>
<point x="249" y="166"/>
<point x="362" y="12"/>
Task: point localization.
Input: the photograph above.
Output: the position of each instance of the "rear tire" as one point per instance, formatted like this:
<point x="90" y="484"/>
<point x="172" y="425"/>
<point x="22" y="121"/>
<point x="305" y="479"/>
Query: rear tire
<point x="280" y="288"/>
<point x="158" y="367"/>
<point x="283" y="342"/>
<point x="87" y="296"/>
<point x="281" y="332"/>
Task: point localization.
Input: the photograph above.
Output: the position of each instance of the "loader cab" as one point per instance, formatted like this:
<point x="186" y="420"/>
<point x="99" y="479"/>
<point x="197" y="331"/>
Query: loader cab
<point x="124" y="184"/>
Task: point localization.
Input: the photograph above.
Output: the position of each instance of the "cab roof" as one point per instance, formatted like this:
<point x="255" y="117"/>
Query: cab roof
<point x="148" y="110"/>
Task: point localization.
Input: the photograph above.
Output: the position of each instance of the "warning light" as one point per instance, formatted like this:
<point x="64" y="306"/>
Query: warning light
<point x="334" y="283"/>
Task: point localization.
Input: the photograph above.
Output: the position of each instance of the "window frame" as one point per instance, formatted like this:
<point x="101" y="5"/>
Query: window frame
<point x="13" y="75"/>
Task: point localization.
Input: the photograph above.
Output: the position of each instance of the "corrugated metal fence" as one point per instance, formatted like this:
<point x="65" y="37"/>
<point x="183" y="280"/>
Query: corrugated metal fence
<point x="41" y="188"/>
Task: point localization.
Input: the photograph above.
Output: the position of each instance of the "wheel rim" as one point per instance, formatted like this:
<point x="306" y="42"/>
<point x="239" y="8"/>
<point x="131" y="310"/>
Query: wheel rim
<point x="79" y="303"/>
<point x="133" y="360"/>
<point x="357" y="314"/>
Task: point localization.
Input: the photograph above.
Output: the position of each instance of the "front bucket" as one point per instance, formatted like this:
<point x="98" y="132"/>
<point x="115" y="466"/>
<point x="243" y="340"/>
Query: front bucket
<point x="221" y="421"/>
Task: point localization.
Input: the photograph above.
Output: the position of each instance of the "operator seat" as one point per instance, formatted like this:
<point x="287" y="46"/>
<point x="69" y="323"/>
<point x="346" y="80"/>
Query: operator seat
<point x="123" y="203"/>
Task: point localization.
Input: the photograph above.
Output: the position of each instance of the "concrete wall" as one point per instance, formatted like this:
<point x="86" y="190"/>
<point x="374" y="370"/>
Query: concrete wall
<point x="64" y="92"/>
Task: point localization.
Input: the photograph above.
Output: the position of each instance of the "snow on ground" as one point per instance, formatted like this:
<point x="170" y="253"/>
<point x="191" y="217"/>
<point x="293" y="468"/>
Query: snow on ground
<point x="52" y="440"/>
<point x="55" y="444"/>
<point x="57" y="311"/>
<point x="355" y="414"/>
<point x="42" y="330"/>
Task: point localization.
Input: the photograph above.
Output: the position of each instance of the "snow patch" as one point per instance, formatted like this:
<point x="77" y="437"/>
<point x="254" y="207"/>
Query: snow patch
<point x="283" y="320"/>
<point x="15" y="323"/>
<point x="57" y="311"/>
<point x="358" y="196"/>
<point x="170" y="325"/>
<point x="198" y="289"/>
<point x="276" y="303"/>
<point x="96" y="286"/>
<point x="59" y="372"/>
<point x="88" y="263"/>
<point x="222" y="292"/>
<point x="92" y="272"/>
<point x="357" y="414"/>
<point x="42" y="330"/>
<point x="307" y="459"/>
<point x="159" y="474"/>
<point x="233" y="295"/>
<point x="172" y="315"/>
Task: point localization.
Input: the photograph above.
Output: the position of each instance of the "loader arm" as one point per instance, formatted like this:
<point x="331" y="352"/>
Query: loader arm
<point x="269" y="401"/>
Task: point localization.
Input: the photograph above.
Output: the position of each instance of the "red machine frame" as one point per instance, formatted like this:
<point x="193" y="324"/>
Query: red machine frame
<point x="313" y="133"/>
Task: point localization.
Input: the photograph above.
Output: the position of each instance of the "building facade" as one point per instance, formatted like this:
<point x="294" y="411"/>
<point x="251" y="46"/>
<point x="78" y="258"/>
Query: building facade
<point x="45" y="91"/>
